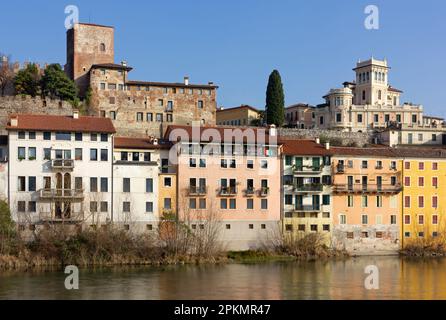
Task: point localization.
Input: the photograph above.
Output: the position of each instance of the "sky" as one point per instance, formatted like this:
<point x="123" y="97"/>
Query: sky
<point x="236" y="44"/>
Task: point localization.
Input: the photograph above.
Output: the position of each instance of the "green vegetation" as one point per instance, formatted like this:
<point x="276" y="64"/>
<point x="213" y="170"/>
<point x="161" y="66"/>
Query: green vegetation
<point x="27" y="81"/>
<point x="275" y="100"/>
<point x="55" y="83"/>
<point x="334" y="141"/>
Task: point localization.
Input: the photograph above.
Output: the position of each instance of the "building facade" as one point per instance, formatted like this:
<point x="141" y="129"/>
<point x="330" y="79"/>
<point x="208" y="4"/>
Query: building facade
<point x="306" y="179"/>
<point x="233" y="184"/>
<point x="367" y="194"/>
<point x="60" y="169"/>
<point x="243" y="115"/>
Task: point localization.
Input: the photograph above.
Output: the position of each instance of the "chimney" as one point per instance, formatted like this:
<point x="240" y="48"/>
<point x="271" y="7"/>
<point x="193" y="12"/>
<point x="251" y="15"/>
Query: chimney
<point x="186" y="81"/>
<point x="14" y="121"/>
<point x="272" y="130"/>
<point x="327" y="145"/>
<point x="210" y="83"/>
<point x="318" y="140"/>
<point x="75" y="114"/>
<point x="155" y="142"/>
<point x="124" y="63"/>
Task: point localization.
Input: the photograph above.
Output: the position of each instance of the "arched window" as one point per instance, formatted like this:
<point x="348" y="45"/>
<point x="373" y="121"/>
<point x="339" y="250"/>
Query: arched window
<point x="102" y="47"/>
<point x="379" y="94"/>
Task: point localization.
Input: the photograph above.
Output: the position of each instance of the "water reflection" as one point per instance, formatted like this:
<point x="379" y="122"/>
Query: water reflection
<point x="340" y="279"/>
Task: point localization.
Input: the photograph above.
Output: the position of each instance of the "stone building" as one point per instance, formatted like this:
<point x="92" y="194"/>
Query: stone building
<point x="135" y="107"/>
<point x="243" y="115"/>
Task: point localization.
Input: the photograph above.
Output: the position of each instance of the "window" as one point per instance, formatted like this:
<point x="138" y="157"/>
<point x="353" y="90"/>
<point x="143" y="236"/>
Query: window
<point x="78" y="154"/>
<point x="264" y="164"/>
<point x="250" y="164"/>
<point x="21" y="206"/>
<point x="149" y="207"/>
<point x="32" y="206"/>
<point x="104" y="137"/>
<point x="407" y="165"/>
<point x="232" y="204"/>
<point x="104" y="184"/>
<point x="379" y="219"/>
<point x="159" y="117"/>
<point x="288" y="160"/>
<point x="434" y="165"/>
<point x="32" y="153"/>
<point x="288" y="199"/>
<point x="202" y="163"/>
<point x="421" y="202"/>
<point x="350" y="201"/>
<point x="202" y="203"/>
<point x="224" y="163"/>
<point x="364" y="201"/>
<point x="169" y="117"/>
<point x="111" y="86"/>
<point x="124" y="156"/>
<point x="264" y="204"/>
<point x="326" y="227"/>
<point x="104" y="206"/>
<point x="223" y="204"/>
<point x="46" y="154"/>
<point x="364" y="219"/>
<point x="102" y="48"/>
<point x="94" y="154"/>
<point x="167" y="203"/>
<point x="113" y="115"/>
<point x="342" y="219"/>
<point x="104" y="155"/>
<point x="126" y="185"/>
<point x="407" y="201"/>
<point x="338" y="117"/>
<point x="313" y="227"/>
<point x="22" y="135"/>
<point x="359" y="118"/>
<point x="393" y="165"/>
<point x="126" y="206"/>
<point x="93" y="184"/>
<point x="193" y="203"/>
<point x="434" y="202"/>
<point x="289" y="227"/>
<point x="326" y="199"/>
<point x="102" y="86"/>
<point x="192" y="163"/>
<point x="421" y="181"/>
<point x="407" y="234"/>
<point x="149" y="117"/>
<point x="47" y="135"/>
<point x="21" y="184"/>
<point x="420" y="219"/>
<point x="78" y="183"/>
<point x="149" y="185"/>
<point x="65" y="136"/>
<point x="139" y="116"/>
<point x="393" y="219"/>
<point x="379" y="201"/>
<point x="167" y="181"/>
<point x="420" y="165"/>
<point x="200" y="104"/>
<point x="135" y="156"/>
<point x="250" y="204"/>
<point x="364" y="164"/>
<point x="434" y="219"/>
<point x="21" y="154"/>
<point x="93" y="137"/>
<point x="31" y="183"/>
<point x="407" y="181"/>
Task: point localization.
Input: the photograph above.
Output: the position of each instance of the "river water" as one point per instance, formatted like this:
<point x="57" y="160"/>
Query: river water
<point x="399" y="278"/>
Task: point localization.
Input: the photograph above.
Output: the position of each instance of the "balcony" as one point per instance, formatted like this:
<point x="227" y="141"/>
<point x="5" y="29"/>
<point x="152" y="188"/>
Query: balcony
<point x="62" y="164"/>
<point x="340" y="168"/>
<point x="264" y="192"/>
<point x="62" y="194"/>
<point x="313" y="187"/>
<point x="249" y="192"/>
<point x="369" y="188"/>
<point x="73" y="217"/>
<point x="307" y="169"/>
<point x="307" y="208"/>
<point x="228" y="191"/>
<point x="198" y="190"/>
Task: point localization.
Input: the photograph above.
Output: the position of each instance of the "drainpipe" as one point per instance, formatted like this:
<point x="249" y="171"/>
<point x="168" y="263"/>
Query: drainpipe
<point x="111" y="176"/>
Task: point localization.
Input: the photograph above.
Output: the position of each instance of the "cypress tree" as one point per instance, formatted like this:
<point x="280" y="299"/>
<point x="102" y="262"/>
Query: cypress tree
<point x="275" y="100"/>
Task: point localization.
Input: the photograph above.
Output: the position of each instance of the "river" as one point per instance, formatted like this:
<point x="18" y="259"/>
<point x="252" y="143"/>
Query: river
<point x="399" y="278"/>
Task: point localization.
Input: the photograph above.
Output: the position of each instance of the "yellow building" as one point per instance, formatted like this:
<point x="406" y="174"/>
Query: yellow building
<point x="424" y="192"/>
<point x="243" y="115"/>
<point x="167" y="186"/>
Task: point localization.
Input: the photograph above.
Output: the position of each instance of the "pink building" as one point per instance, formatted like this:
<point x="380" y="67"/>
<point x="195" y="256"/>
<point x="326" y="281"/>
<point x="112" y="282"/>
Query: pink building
<point x="229" y="177"/>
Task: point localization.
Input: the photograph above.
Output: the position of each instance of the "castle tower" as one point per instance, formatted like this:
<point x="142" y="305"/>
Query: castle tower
<point x="371" y="82"/>
<point x="87" y="44"/>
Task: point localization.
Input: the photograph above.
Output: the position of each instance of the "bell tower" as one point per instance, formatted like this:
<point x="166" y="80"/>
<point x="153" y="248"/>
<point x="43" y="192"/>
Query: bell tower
<point x="371" y="82"/>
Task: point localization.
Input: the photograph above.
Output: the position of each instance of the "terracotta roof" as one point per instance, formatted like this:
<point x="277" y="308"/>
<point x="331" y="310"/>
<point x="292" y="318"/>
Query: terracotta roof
<point x="390" y="88"/>
<point x="111" y="66"/>
<point x="420" y="152"/>
<point x="139" y="143"/>
<point x="171" y="84"/>
<point x="371" y="151"/>
<point x="61" y="123"/>
<point x="225" y="133"/>
<point x="243" y="106"/>
<point x="299" y="105"/>
<point x="304" y="147"/>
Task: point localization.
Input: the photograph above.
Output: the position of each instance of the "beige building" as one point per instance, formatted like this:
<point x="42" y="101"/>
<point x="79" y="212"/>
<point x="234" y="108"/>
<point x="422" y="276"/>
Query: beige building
<point x="301" y="116"/>
<point x="367" y="104"/>
<point x="243" y="115"/>
<point x="135" y="107"/>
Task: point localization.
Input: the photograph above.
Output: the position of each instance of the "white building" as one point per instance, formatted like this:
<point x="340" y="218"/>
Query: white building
<point x="136" y="171"/>
<point x="60" y="169"/>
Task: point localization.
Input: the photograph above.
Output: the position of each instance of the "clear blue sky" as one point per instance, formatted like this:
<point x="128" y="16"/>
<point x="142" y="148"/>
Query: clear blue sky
<point x="314" y="44"/>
